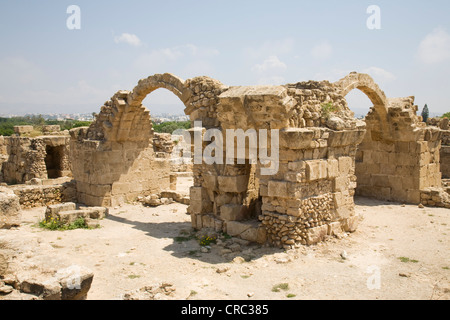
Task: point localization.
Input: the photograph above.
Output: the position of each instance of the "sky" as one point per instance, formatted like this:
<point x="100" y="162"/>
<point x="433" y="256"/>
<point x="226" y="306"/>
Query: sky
<point x="47" y="66"/>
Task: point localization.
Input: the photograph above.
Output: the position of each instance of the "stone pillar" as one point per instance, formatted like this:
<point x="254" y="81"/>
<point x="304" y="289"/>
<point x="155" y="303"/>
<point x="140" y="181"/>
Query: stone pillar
<point x="312" y="194"/>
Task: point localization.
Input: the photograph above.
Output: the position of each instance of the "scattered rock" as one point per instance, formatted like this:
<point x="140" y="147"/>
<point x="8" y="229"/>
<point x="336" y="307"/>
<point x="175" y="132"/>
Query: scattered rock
<point x="222" y="269"/>
<point x="3" y="265"/>
<point x="336" y="123"/>
<point x="404" y="275"/>
<point x="4" y="289"/>
<point x="235" y="247"/>
<point x="344" y="255"/>
<point x="282" y="258"/>
<point x="238" y="260"/>
<point x="161" y="291"/>
<point x="250" y="294"/>
<point x="225" y="251"/>
<point x="421" y="206"/>
<point x="204" y="250"/>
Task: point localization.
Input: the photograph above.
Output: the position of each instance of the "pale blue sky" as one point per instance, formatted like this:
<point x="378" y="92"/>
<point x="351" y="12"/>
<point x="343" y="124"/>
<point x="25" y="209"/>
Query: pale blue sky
<point x="45" y="67"/>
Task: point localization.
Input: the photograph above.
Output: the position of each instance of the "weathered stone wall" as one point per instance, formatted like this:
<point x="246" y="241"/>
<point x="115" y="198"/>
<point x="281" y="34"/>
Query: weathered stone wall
<point x="314" y="186"/>
<point x="113" y="166"/>
<point x="398" y="163"/>
<point x="23" y="158"/>
<point x="445" y="154"/>
<point x="324" y="152"/>
<point x="443" y="124"/>
<point x="31" y="196"/>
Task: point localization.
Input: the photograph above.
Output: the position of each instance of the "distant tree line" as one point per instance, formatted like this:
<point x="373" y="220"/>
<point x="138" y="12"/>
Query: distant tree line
<point x="7" y="124"/>
<point x="171" y="126"/>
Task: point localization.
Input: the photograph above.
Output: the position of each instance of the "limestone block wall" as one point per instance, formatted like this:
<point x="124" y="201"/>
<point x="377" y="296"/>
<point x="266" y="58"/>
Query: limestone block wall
<point x="113" y="166"/>
<point x="445" y="154"/>
<point x="111" y="174"/>
<point x="324" y="155"/>
<point x="26" y="158"/>
<point x="397" y="164"/>
<point x="312" y="191"/>
<point x="31" y="196"/>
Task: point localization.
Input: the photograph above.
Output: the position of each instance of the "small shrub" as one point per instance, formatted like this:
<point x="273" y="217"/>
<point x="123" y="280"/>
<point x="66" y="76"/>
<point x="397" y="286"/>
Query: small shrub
<point x="54" y="224"/>
<point x="226" y="236"/>
<point x="281" y="286"/>
<point x="405" y="259"/>
<point x="328" y="109"/>
<point x="206" y="240"/>
<point x="180" y="239"/>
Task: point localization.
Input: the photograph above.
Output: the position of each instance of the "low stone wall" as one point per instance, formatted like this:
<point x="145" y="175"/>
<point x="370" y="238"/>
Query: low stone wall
<point x="31" y="196"/>
<point x="23" y="158"/>
<point x="445" y="154"/>
<point x="435" y="197"/>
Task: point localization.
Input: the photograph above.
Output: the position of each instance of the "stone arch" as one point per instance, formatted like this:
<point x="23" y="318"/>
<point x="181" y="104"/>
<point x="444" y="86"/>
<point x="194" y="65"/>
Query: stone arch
<point x="157" y="81"/>
<point x="124" y="118"/>
<point x="367" y="85"/>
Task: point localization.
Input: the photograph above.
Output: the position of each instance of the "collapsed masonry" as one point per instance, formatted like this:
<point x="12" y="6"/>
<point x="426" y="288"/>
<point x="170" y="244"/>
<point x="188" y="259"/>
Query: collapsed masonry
<point x="24" y="158"/>
<point x="326" y="156"/>
<point x="443" y="124"/>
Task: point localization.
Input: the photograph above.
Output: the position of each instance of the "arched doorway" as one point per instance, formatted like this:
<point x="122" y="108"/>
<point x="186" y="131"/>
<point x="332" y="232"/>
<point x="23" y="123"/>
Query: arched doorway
<point x="373" y="169"/>
<point x="114" y="160"/>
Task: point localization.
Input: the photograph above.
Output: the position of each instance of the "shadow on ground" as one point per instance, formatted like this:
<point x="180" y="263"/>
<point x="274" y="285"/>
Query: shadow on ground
<point x="186" y="242"/>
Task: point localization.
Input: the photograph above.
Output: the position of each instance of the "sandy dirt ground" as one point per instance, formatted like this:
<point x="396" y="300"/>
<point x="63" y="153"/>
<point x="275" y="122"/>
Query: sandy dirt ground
<point x="398" y="252"/>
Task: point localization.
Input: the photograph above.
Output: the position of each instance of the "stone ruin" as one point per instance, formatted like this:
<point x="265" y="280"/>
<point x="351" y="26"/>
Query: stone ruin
<point x="24" y="158"/>
<point x="326" y="156"/>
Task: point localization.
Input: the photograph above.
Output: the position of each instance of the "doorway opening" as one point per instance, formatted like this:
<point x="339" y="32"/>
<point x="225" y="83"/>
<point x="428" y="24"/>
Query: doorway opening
<point x="53" y="161"/>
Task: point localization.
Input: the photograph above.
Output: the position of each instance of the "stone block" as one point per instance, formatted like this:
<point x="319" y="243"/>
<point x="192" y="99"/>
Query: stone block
<point x="57" y="208"/>
<point x="197" y="193"/>
<point x="210" y="182"/>
<point x="256" y="234"/>
<point x="350" y="224"/>
<point x="234" y="184"/>
<point x="334" y="228"/>
<point x="316" y="170"/>
<point x="296" y="138"/>
<point x="333" y="168"/>
<point x="340" y="184"/>
<point x="96" y="212"/>
<point x="233" y="212"/>
<point x="278" y="189"/>
<point x="235" y="228"/>
<point x="345" y="165"/>
<point x="297" y="166"/>
<point x="380" y="180"/>
<point x="316" y="235"/>
<point x="67" y="217"/>
<point x="208" y="221"/>
<point x="10" y="211"/>
<point x="23" y="129"/>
